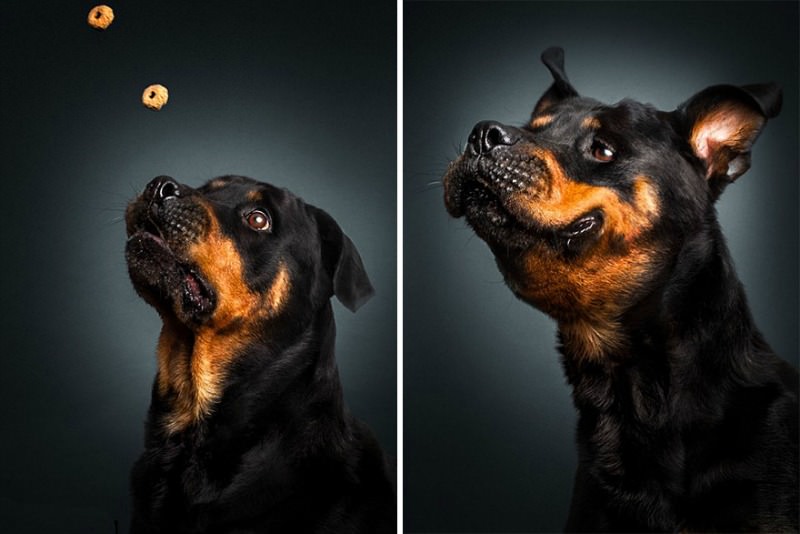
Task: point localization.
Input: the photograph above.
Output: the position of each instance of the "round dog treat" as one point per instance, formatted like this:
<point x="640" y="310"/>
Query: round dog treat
<point x="100" y="17"/>
<point x="155" y="96"/>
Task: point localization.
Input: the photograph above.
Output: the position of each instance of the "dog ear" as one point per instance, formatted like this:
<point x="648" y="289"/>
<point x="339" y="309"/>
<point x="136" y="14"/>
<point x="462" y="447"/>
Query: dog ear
<point x="721" y="124"/>
<point x="553" y="59"/>
<point x="343" y="264"/>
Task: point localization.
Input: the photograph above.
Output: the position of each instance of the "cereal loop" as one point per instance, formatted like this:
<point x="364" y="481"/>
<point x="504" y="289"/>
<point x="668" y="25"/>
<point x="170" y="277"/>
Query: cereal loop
<point x="100" y="17"/>
<point x="155" y="96"/>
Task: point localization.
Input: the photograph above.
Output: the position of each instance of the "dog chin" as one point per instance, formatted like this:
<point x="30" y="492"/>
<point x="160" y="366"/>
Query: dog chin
<point x="491" y="221"/>
<point x="166" y="283"/>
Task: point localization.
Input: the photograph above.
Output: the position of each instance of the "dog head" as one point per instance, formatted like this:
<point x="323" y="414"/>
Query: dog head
<point x="237" y="253"/>
<point x="587" y="205"/>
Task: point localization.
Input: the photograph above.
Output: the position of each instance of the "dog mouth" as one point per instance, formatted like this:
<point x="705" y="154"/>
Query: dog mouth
<point x="484" y="191"/>
<point x="164" y="279"/>
<point x="197" y="292"/>
<point x="485" y="211"/>
<point x="479" y="189"/>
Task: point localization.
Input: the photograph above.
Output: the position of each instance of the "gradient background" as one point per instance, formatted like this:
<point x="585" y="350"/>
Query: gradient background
<point x="488" y="435"/>
<point x="299" y="94"/>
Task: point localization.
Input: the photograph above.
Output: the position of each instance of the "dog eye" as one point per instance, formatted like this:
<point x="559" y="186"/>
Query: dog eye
<point x="258" y="220"/>
<point x="602" y="152"/>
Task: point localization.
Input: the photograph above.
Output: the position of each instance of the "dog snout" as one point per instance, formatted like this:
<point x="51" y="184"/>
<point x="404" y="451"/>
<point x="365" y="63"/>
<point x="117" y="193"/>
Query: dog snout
<point x="487" y="135"/>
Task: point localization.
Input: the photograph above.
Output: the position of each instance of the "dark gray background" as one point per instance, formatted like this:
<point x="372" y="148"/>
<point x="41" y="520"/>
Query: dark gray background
<point x="488" y="435"/>
<point x="295" y="93"/>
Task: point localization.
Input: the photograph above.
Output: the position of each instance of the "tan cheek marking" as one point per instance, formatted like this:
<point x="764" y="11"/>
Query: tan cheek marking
<point x="560" y="200"/>
<point x="218" y="260"/>
<point x="541" y="121"/>
<point x="194" y="370"/>
<point x="587" y="295"/>
<point x="563" y="200"/>
<point x="213" y="351"/>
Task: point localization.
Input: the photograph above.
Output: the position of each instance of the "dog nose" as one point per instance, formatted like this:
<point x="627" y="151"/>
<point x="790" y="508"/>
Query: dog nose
<point x="486" y="135"/>
<point x="162" y="188"/>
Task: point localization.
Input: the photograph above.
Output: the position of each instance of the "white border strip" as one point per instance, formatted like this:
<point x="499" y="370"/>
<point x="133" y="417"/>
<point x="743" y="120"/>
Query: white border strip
<point x="399" y="266"/>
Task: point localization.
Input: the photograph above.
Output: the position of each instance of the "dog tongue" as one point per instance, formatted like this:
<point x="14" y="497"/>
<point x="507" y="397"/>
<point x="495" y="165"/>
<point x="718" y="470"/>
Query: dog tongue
<point x="193" y="286"/>
<point x="196" y="294"/>
<point x="196" y="291"/>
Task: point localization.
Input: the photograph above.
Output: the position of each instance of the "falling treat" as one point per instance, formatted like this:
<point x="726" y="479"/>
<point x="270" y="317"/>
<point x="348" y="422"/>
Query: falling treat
<point x="100" y="17"/>
<point x="155" y="96"/>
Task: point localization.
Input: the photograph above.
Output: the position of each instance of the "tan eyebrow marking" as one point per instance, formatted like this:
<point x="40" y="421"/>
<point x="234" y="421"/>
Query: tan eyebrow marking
<point x="541" y="121"/>
<point x="592" y="123"/>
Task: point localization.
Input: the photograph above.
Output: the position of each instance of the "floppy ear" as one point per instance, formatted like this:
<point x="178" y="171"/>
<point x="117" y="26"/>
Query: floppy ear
<point x="721" y="124"/>
<point x="553" y="58"/>
<point x="343" y="264"/>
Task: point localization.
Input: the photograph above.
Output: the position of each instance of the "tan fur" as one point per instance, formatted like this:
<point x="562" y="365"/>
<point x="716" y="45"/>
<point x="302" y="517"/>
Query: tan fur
<point x="587" y="340"/>
<point x="192" y="366"/>
<point x="217" y="184"/>
<point x="587" y="294"/>
<point x="561" y="201"/>
<point x="730" y="125"/>
<point x="591" y="123"/>
<point x="541" y="121"/>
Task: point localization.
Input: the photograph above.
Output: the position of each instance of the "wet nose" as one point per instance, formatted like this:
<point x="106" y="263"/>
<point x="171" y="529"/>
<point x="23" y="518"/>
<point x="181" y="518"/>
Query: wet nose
<point x="162" y="188"/>
<point x="487" y="135"/>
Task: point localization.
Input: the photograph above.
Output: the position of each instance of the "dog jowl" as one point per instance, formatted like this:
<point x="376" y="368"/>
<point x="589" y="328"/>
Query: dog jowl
<point x="247" y="429"/>
<point x="603" y="217"/>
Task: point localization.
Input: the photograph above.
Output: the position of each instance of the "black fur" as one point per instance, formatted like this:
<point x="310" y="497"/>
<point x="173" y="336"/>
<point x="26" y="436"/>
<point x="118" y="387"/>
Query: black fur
<point x="277" y="451"/>
<point x="687" y="419"/>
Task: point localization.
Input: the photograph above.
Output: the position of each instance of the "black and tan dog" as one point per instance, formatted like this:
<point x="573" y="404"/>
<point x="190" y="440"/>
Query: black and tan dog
<point x="603" y="217"/>
<point x="247" y="430"/>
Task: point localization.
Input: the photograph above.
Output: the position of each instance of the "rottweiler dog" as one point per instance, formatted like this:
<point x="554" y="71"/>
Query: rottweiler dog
<point x="247" y="430"/>
<point x="602" y="216"/>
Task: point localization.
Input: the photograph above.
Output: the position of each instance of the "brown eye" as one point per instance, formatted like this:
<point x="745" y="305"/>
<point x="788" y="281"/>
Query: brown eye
<point x="602" y="152"/>
<point x="259" y="220"/>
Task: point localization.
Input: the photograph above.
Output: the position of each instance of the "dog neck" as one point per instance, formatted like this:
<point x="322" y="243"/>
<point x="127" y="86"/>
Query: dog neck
<point x="260" y="375"/>
<point x="649" y="341"/>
